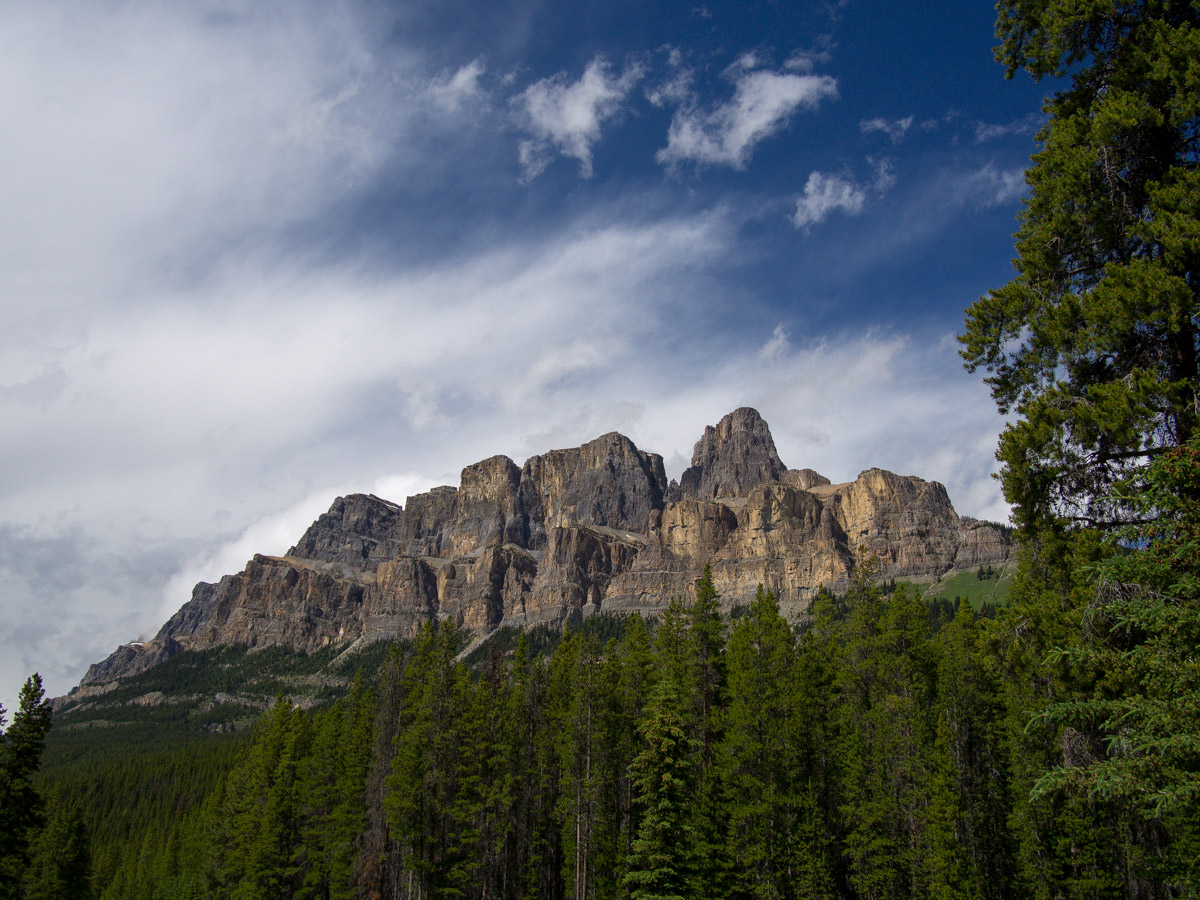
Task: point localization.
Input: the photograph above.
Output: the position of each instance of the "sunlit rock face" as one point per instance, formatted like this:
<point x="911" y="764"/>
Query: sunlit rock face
<point x="573" y="532"/>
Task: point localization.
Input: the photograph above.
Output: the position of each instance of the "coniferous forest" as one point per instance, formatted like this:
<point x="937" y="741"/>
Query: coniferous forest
<point x="883" y="747"/>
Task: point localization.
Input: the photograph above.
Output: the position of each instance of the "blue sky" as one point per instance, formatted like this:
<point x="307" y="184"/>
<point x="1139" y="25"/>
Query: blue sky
<point x="256" y="255"/>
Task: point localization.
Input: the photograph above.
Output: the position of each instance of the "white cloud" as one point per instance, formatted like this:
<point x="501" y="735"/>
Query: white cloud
<point x="777" y="344"/>
<point x="824" y="195"/>
<point x="183" y="383"/>
<point x="992" y="186"/>
<point x="986" y="131"/>
<point x="895" y="129"/>
<point x="762" y="104"/>
<point x="136" y="130"/>
<point x="565" y="117"/>
<point x="885" y="175"/>
<point x="169" y="426"/>
<point x="676" y="89"/>
<point x="453" y="90"/>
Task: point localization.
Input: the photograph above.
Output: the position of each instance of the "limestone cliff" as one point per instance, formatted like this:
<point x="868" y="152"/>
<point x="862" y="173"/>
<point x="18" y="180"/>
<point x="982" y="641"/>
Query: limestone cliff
<point x="572" y="532"/>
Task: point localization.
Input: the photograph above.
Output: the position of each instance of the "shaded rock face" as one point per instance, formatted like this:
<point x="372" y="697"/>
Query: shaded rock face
<point x="359" y="530"/>
<point x="570" y="533"/>
<point x="607" y="482"/>
<point x="734" y="457"/>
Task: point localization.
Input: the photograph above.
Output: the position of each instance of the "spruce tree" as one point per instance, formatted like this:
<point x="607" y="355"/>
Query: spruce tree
<point x="21" y="746"/>
<point x="760" y="766"/>
<point x="662" y="862"/>
<point x="60" y="864"/>
<point x="885" y="688"/>
<point x="970" y="758"/>
<point x="1141" y="635"/>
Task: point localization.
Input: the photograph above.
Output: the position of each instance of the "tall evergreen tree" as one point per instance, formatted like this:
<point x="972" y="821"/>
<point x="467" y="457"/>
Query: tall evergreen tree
<point x="886" y="691"/>
<point x="332" y="785"/>
<point x="60" y="864"/>
<point x="820" y="764"/>
<point x="1095" y="345"/>
<point x="436" y="790"/>
<point x="970" y="758"/>
<point x="1069" y="845"/>
<point x="1141" y="634"/>
<point x="259" y="831"/>
<point x="661" y="865"/>
<point x="21" y="746"/>
<point x="760" y="767"/>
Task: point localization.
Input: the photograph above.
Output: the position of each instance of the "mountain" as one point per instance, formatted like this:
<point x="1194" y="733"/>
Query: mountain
<point x="567" y="534"/>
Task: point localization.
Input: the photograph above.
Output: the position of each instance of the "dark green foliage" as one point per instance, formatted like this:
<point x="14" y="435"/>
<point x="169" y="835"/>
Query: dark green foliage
<point x="662" y="863"/>
<point x="21" y="745"/>
<point x="542" y="640"/>
<point x="765" y="805"/>
<point x="1140" y="635"/>
<point x="1094" y="345"/>
<point x="60" y="864"/>
<point x="872" y="757"/>
<point x="886" y="685"/>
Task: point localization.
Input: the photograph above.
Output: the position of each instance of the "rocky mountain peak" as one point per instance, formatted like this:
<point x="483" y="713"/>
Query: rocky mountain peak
<point x="569" y="533"/>
<point x="734" y="457"/>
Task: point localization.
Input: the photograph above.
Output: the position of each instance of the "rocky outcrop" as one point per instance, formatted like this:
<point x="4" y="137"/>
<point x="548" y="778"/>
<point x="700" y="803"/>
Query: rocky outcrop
<point x="570" y="533"/>
<point x="359" y="530"/>
<point x="734" y="457"/>
<point x="607" y="482"/>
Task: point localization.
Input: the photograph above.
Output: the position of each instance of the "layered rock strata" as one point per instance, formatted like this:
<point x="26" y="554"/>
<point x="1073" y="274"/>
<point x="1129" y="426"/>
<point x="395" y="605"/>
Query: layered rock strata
<point x="572" y="532"/>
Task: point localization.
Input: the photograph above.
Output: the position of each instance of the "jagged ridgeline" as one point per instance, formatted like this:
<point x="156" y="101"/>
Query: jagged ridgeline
<point x="571" y="533"/>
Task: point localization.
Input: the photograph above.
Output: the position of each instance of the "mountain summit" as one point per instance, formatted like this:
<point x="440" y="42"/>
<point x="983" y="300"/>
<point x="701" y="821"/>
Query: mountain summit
<point x="572" y="532"/>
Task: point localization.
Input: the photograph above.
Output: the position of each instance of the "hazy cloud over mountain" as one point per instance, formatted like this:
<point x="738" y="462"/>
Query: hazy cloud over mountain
<point x="257" y="256"/>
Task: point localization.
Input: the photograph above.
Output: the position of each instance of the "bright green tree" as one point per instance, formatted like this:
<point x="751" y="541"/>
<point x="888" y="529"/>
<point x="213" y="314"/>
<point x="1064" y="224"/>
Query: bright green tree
<point x="1094" y="345"/>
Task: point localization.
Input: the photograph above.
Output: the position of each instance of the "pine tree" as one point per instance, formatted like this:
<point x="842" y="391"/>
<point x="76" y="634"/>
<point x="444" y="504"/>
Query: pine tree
<point x="662" y="861"/>
<point x="760" y="767"/>
<point x="970" y="758"/>
<point x="885" y="687"/>
<point x="331" y="788"/>
<point x="259" y="831"/>
<point x="60" y="864"/>
<point x="1095" y="345"/>
<point x="1068" y="845"/>
<point x="819" y="763"/>
<point x="1141" y="634"/>
<point x="708" y="641"/>
<point x="21" y="748"/>
<point x="436" y="792"/>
